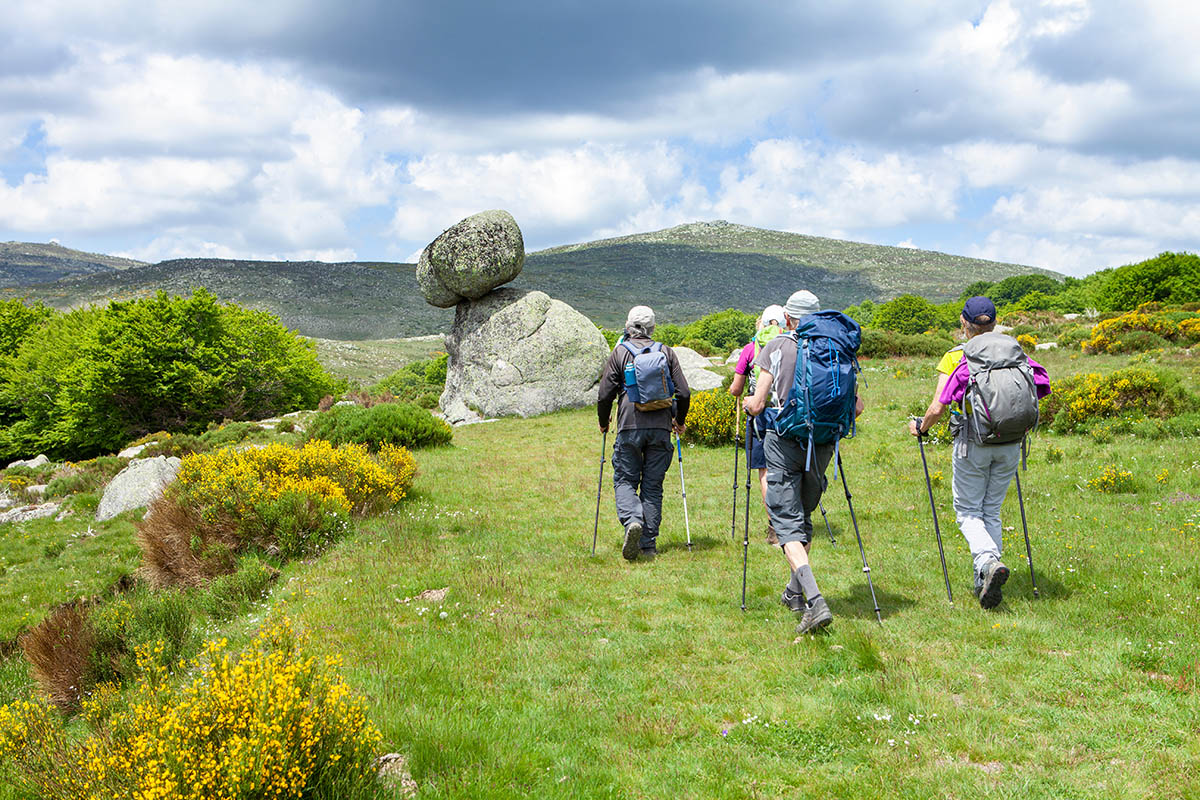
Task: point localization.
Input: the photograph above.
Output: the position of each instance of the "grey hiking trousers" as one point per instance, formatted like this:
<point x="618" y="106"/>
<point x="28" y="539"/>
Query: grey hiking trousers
<point x="640" y="460"/>
<point x="792" y="491"/>
<point x="982" y="473"/>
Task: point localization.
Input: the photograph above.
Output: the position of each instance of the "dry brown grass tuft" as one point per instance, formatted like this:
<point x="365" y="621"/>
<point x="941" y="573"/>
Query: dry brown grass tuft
<point x="58" y="650"/>
<point x="179" y="548"/>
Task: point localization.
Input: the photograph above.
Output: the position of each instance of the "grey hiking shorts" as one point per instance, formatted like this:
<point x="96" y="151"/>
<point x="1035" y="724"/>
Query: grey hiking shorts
<point x="792" y="491"/>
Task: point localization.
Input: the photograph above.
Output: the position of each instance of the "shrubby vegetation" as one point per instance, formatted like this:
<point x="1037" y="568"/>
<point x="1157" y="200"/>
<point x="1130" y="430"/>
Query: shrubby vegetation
<point x="1143" y="330"/>
<point x="713" y="334"/>
<point x="1080" y="401"/>
<point x="398" y="424"/>
<point x="711" y="417"/>
<point x="86" y="382"/>
<point x="420" y="382"/>
<point x="271" y="721"/>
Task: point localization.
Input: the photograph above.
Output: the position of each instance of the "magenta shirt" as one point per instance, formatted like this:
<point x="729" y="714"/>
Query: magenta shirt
<point x="956" y="387"/>
<point x="745" y="360"/>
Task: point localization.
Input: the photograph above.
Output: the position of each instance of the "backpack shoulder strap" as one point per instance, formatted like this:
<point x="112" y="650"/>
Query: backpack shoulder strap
<point x="631" y="348"/>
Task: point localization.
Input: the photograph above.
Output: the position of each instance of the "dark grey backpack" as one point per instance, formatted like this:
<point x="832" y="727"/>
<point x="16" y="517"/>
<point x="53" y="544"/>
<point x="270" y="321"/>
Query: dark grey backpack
<point x="1000" y="389"/>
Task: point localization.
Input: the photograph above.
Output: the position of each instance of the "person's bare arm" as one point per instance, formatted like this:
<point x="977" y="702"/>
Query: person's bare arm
<point x="738" y="385"/>
<point x="755" y="404"/>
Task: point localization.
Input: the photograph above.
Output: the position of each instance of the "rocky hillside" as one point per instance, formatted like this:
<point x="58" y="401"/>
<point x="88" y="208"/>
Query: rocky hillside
<point x="23" y="263"/>
<point x="683" y="272"/>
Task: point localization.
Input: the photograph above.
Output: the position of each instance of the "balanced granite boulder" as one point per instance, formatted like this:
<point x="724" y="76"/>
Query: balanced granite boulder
<point x="470" y="259"/>
<point x="520" y="353"/>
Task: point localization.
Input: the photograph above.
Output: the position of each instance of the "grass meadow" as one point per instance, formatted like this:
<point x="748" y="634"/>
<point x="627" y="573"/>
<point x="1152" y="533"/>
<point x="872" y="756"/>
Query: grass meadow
<point x="545" y="671"/>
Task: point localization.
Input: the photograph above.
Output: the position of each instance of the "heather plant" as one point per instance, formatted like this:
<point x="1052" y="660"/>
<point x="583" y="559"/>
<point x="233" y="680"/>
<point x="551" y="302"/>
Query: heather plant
<point x="269" y="722"/>
<point x="399" y="424"/>
<point x="711" y="418"/>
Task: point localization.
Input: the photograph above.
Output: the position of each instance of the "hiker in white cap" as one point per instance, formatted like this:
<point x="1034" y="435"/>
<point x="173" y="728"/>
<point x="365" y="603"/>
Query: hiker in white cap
<point x="745" y="380"/>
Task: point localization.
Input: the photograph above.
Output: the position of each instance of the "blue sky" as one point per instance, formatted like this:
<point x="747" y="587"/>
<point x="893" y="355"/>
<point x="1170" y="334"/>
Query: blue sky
<point x="1056" y="133"/>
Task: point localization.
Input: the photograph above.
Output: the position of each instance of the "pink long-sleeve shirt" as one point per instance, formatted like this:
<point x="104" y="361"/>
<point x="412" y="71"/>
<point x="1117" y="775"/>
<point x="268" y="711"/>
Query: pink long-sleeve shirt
<point x="956" y="387"/>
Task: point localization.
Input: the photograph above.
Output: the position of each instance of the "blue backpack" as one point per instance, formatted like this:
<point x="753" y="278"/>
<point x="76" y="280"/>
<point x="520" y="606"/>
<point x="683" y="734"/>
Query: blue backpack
<point x="819" y="408"/>
<point x="648" y="383"/>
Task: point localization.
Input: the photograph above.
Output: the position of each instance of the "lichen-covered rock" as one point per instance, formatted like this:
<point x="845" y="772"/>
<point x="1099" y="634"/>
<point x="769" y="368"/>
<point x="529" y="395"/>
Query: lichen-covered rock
<point x="432" y="289"/>
<point x="32" y="463"/>
<point x="472" y="258"/>
<point x="137" y="485"/>
<point x="519" y="353"/>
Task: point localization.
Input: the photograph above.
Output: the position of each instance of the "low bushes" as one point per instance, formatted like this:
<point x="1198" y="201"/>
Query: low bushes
<point x="711" y="418"/>
<point x="420" y="382"/>
<point x="1144" y="329"/>
<point x="1078" y="401"/>
<point x="398" y="424"/>
<point x="883" y="344"/>
<point x="287" y="502"/>
<point x="269" y="722"/>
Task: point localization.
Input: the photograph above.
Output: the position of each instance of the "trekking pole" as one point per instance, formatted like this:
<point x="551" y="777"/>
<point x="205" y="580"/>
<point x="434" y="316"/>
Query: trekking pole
<point x="599" y="488"/>
<point x="746" y="533"/>
<point x="933" y="509"/>
<point x="1028" y="549"/>
<point x="683" y="489"/>
<point x="861" y="551"/>
<point x="825" y="517"/>
<point x="737" y="429"/>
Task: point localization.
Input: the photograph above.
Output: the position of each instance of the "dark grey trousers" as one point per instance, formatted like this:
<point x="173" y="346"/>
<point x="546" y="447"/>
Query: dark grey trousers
<point x="792" y="492"/>
<point x="640" y="459"/>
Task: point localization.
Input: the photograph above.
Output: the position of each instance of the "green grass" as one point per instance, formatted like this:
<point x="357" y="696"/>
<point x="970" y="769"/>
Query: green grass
<point x="556" y="673"/>
<point x="371" y="360"/>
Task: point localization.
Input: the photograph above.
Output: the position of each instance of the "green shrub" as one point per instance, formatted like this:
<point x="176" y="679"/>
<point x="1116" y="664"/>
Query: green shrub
<point x="228" y="433"/>
<point x="395" y="423"/>
<point x="160" y="624"/>
<point x="285" y="426"/>
<point x="701" y="346"/>
<point x="299" y="524"/>
<point x="414" y="381"/>
<point x="179" y="445"/>
<point x="19" y="322"/>
<point x="723" y="330"/>
<point x="1113" y="480"/>
<point x="886" y="344"/>
<point x="907" y="313"/>
<point x="228" y="596"/>
<point x="94" y="379"/>
<point x="1077" y="401"/>
<point x="669" y="334"/>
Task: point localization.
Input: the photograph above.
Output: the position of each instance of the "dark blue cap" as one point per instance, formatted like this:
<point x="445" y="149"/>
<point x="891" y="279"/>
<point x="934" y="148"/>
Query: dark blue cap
<point x="979" y="311"/>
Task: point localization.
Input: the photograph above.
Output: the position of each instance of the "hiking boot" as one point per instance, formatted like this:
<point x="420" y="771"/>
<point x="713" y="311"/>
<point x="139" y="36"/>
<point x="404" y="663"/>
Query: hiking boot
<point x="649" y="553"/>
<point x="633" y="541"/>
<point x="992" y="577"/>
<point x="816" y="616"/>
<point x="793" y="600"/>
<point x="772" y="538"/>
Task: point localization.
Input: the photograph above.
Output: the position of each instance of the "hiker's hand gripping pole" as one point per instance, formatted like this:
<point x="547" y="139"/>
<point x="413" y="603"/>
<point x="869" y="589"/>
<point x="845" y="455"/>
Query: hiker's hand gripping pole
<point x="932" y="508"/>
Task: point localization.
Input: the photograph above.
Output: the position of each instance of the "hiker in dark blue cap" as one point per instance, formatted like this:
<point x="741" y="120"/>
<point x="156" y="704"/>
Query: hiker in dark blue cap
<point x="996" y="387"/>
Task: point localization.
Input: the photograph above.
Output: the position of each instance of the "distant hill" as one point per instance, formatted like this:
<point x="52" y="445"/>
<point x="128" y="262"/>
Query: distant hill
<point x="23" y="263"/>
<point x="682" y="272"/>
<point x="690" y="270"/>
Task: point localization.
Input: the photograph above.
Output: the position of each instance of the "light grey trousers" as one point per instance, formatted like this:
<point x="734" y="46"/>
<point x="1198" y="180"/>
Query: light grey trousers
<point x="792" y="491"/>
<point x="982" y="473"/>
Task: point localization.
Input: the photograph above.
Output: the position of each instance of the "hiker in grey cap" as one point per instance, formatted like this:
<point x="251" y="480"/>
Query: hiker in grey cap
<point x="793" y="491"/>
<point x="642" y="450"/>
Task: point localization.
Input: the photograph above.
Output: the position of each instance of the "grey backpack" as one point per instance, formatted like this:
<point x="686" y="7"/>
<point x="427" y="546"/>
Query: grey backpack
<point x="1000" y="389"/>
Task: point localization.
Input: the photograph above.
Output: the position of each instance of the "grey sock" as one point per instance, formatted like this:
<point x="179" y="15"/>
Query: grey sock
<point x="794" y="585"/>
<point x="808" y="584"/>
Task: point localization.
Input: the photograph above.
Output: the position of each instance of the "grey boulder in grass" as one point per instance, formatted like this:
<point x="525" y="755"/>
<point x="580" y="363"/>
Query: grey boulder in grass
<point x="471" y="258"/>
<point x="137" y="485"/>
<point x="520" y="353"/>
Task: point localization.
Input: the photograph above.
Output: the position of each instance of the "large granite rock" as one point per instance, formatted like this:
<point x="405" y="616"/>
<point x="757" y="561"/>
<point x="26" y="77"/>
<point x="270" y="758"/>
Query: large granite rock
<point x="470" y="259"/>
<point x="695" y="369"/>
<point x="137" y="485"/>
<point x="518" y="353"/>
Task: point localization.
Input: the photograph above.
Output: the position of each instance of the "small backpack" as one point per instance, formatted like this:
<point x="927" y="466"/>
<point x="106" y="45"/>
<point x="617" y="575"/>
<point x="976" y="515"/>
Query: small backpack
<point x="648" y="383"/>
<point x="819" y="408"/>
<point x="1000" y="389"/>
<point x="760" y="340"/>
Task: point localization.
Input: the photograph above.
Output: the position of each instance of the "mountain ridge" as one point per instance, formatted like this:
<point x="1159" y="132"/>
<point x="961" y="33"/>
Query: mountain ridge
<point x="684" y="272"/>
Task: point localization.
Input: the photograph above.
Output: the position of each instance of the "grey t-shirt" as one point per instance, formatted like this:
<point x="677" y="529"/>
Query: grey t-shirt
<point x="778" y="357"/>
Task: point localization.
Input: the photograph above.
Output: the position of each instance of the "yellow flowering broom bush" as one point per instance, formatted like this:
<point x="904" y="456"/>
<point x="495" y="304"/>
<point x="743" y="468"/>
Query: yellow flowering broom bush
<point x="271" y="722"/>
<point x="1135" y="392"/>
<point x="711" y="416"/>
<point x="287" y="501"/>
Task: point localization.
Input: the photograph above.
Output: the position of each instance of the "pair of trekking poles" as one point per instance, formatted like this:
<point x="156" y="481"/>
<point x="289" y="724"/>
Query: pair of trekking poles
<point x="600" y="489"/>
<point x="737" y="446"/>
<point x="937" y="530"/>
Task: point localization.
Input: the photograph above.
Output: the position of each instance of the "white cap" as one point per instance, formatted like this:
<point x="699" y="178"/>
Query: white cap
<point x="801" y="303"/>
<point x="640" y="321"/>
<point x="771" y="315"/>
